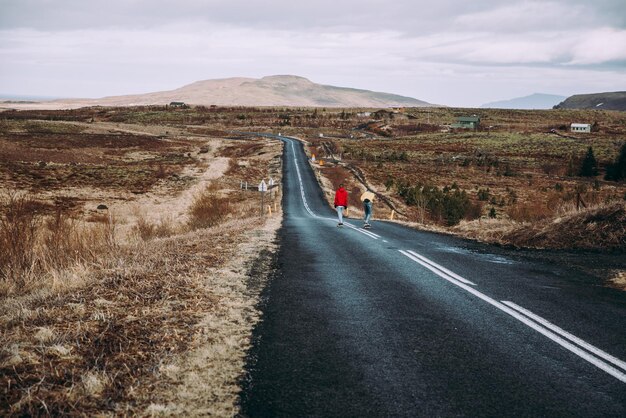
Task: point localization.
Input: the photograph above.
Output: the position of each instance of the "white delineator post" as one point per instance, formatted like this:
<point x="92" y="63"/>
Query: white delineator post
<point x="271" y="184"/>
<point x="262" y="189"/>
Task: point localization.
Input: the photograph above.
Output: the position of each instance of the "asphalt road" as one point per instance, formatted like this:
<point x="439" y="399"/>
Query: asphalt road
<point x="397" y="322"/>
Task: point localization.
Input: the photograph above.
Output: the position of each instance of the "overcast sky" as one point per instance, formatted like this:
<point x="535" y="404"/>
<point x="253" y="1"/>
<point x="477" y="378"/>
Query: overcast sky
<point x="452" y="52"/>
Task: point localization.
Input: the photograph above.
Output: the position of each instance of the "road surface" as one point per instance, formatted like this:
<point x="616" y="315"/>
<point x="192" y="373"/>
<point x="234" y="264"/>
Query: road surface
<point x="397" y="322"/>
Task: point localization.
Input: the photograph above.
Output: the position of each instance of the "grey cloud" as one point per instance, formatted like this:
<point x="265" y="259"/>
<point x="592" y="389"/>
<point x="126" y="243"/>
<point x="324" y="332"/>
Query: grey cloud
<point x="116" y="46"/>
<point x="355" y="15"/>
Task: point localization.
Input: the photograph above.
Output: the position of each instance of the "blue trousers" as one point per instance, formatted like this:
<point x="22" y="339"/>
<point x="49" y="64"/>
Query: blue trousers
<point x="367" y="207"/>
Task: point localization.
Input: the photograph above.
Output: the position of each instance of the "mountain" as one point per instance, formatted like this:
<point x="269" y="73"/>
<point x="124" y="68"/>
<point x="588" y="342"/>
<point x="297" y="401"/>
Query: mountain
<point x="605" y="101"/>
<point x="23" y="98"/>
<point x="278" y="90"/>
<point x="534" y="101"/>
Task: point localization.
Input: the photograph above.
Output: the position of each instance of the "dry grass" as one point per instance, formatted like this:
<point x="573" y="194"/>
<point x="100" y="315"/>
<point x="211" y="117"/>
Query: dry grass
<point x="112" y="335"/>
<point x="35" y="246"/>
<point x="527" y="175"/>
<point x="529" y="211"/>
<point x="207" y="377"/>
<point x="102" y="347"/>
<point x="208" y="209"/>
<point x="619" y="280"/>
<point x="600" y="228"/>
<point x="90" y="316"/>
<point x="149" y="230"/>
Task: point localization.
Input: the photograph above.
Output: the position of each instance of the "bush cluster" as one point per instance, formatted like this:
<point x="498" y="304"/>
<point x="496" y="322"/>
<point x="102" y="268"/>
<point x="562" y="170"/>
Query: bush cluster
<point x="448" y="205"/>
<point x="207" y="210"/>
<point x="617" y="170"/>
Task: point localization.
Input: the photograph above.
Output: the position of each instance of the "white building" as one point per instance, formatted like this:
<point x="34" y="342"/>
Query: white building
<point x="580" y="127"/>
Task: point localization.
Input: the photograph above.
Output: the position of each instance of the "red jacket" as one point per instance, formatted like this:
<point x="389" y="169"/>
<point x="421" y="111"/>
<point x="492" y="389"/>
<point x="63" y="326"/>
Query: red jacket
<point x="341" y="197"/>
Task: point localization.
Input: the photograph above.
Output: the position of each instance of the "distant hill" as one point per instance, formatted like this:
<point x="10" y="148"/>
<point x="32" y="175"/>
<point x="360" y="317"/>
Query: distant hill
<point x="605" y="101"/>
<point x="278" y="90"/>
<point x="24" y="98"/>
<point x="534" y="101"/>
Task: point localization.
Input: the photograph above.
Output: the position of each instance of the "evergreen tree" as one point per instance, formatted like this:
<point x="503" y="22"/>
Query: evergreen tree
<point x="617" y="170"/>
<point x="589" y="167"/>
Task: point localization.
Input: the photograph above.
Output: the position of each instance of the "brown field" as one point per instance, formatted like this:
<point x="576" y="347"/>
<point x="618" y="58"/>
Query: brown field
<point x="131" y="261"/>
<point x="520" y="173"/>
<point x="128" y="254"/>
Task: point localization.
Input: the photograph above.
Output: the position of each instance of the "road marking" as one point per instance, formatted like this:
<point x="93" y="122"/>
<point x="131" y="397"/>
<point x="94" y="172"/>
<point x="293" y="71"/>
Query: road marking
<point x="362" y="231"/>
<point x="542" y="326"/>
<point x="595" y="350"/>
<point x="306" y="205"/>
<point x="434" y="267"/>
<point x="618" y="374"/>
<point x="295" y="161"/>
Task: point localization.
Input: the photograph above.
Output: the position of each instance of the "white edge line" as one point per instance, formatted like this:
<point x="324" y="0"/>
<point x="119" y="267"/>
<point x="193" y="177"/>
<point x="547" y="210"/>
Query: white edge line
<point x="295" y="161"/>
<point x="595" y="350"/>
<point x="440" y="267"/>
<point x="571" y="347"/>
<point x="306" y="205"/>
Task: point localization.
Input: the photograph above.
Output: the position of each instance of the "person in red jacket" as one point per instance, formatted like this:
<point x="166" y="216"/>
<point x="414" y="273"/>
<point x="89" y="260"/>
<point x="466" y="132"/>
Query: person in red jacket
<point x="341" y="203"/>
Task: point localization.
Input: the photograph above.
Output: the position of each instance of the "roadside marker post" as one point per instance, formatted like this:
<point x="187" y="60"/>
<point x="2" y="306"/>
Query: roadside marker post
<point x="271" y="184"/>
<point x="262" y="189"/>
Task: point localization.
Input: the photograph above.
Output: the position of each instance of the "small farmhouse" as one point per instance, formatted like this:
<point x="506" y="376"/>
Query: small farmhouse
<point x="467" y="122"/>
<point x="580" y="127"/>
<point x="181" y="105"/>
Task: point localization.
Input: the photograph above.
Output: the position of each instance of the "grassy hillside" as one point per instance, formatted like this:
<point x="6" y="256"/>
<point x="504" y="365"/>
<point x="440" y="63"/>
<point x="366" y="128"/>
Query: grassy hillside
<point x="599" y="101"/>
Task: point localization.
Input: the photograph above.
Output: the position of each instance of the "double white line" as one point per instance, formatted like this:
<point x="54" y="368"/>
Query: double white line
<point x="435" y="268"/>
<point x="363" y="231"/>
<point x="593" y="354"/>
<point x="604" y="361"/>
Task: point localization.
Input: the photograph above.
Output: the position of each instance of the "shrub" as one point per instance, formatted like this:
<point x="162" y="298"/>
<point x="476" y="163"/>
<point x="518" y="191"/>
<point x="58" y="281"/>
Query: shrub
<point x="33" y="244"/>
<point x="474" y="211"/>
<point x="66" y="241"/>
<point x="207" y="210"/>
<point x="455" y="206"/>
<point x="449" y="205"/>
<point x="508" y="171"/>
<point x="589" y="166"/>
<point x="389" y="183"/>
<point x="20" y="223"/>
<point x="483" y="194"/>
<point x="617" y="170"/>
<point x="148" y="230"/>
